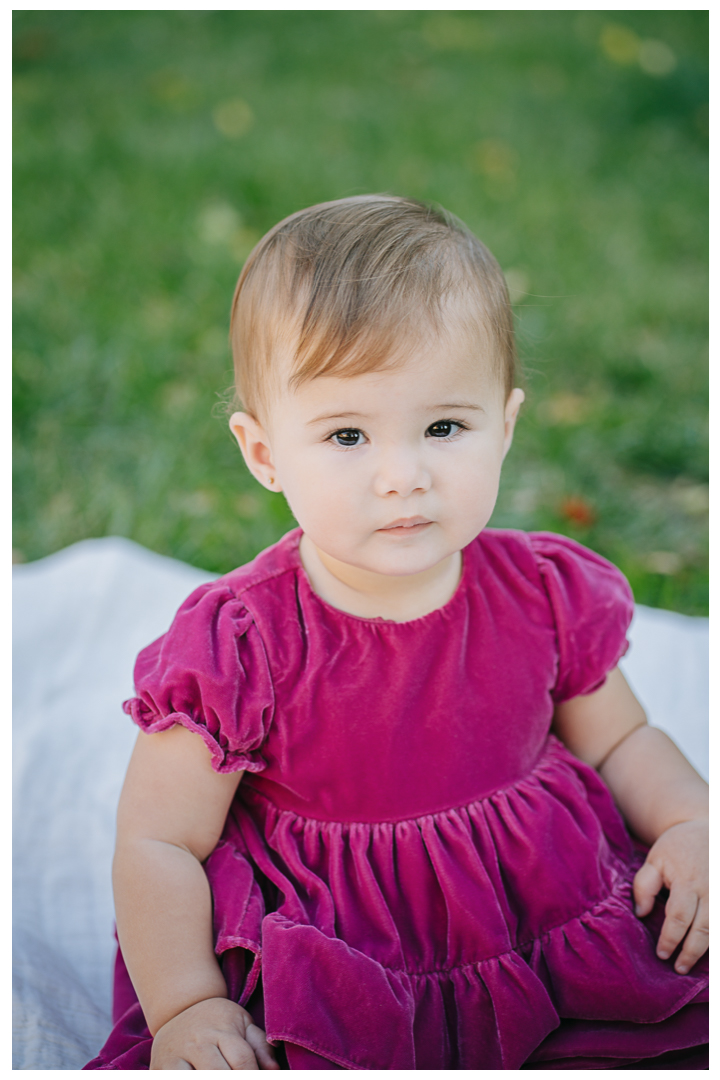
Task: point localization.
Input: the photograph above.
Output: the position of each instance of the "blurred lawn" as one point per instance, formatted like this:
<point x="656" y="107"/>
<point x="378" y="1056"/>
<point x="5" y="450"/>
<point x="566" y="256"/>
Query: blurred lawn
<point x="153" y="148"/>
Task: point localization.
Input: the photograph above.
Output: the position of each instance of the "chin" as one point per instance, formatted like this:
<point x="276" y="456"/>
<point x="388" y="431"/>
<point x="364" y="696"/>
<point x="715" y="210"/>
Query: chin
<point x="405" y="563"/>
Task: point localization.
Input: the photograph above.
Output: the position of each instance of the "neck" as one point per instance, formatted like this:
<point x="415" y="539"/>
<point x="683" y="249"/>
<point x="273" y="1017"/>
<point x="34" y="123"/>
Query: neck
<point x="370" y="595"/>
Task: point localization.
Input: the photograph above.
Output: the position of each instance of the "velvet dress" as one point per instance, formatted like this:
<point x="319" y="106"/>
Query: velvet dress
<point x="415" y="873"/>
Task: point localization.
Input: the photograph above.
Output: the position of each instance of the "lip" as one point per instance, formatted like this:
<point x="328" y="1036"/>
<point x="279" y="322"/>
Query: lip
<point x="405" y="524"/>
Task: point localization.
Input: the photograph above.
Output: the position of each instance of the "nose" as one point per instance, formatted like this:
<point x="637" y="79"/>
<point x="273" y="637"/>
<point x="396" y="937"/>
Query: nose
<point x="402" y="472"/>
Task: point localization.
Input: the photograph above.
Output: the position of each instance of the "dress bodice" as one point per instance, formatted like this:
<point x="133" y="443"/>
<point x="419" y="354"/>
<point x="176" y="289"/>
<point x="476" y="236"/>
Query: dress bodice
<point x="380" y="721"/>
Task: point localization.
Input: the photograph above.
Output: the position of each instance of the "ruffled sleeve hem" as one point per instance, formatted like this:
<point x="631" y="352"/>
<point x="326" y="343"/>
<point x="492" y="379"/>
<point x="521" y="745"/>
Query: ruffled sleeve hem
<point x="223" y="761"/>
<point x="210" y="674"/>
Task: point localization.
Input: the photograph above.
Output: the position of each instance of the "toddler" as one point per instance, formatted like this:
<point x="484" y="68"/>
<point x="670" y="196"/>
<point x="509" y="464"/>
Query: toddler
<point x="377" y="813"/>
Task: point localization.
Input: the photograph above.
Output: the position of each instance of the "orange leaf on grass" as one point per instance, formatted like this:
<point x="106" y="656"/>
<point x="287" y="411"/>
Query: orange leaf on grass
<point x="578" y="511"/>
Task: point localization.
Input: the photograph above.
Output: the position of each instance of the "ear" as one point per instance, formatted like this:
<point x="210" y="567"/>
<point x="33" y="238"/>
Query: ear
<point x="512" y="408"/>
<point x="256" y="449"/>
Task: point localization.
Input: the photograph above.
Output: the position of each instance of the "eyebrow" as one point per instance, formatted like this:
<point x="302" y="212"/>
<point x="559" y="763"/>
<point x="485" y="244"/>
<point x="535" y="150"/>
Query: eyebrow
<point x="446" y="406"/>
<point x="338" y="416"/>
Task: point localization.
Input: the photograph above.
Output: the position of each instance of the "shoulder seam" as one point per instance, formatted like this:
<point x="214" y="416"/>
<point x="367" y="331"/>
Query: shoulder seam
<point x="262" y="580"/>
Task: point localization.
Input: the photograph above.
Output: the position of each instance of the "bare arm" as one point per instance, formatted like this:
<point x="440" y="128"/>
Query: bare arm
<point x="662" y="798"/>
<point x="171" y="814"/>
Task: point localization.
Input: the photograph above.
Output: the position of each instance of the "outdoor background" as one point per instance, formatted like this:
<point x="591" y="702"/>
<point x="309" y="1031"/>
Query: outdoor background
<point x="153" y="149"/>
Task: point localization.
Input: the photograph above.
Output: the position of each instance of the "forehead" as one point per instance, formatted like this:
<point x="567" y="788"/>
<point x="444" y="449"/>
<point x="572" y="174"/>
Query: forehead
<point x="440" y="372"/>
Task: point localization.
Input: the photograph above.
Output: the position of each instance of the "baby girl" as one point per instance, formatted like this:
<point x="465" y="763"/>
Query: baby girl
<point x="392" y="803"/>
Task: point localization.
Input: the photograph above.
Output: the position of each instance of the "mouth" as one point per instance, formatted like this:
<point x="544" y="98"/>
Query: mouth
<point x="406" y="526"/>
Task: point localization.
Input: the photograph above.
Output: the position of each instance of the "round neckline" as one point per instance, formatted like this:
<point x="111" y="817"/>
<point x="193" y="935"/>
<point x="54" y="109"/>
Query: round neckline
<point x="378" y="620"/>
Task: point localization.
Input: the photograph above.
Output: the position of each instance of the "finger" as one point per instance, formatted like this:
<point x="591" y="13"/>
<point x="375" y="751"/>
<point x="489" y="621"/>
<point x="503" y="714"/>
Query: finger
<point x="647" y="884"/>
<point x="680" y="912"/>
<point x="237" y="1052"/>
<point x="207" y="1057"/>
<point x="263" y="1050"/>
<point x="696" y="942"/>
<point x="169" y="1063"/>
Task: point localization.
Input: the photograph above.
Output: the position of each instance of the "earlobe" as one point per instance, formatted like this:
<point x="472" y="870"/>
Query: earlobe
<point x="256" y="449"/>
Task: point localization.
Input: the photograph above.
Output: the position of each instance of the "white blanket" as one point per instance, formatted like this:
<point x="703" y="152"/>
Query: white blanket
<point x="80" y="618"/>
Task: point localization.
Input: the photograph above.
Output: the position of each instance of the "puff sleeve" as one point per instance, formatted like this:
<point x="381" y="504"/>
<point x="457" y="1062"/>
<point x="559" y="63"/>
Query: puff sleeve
<point x="209" y="672"/>
<point x="592" y="606"/>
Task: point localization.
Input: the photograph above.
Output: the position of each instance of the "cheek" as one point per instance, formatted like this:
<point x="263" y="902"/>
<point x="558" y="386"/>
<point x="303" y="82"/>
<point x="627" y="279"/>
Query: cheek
<point x="478" y="467"/>
<point x="322" y="488"/>
<point x="473" y="482"/>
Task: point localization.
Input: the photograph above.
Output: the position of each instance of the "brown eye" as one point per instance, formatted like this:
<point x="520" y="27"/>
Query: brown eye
<point x="347" y="437"/>
<point x="442" y="429"/>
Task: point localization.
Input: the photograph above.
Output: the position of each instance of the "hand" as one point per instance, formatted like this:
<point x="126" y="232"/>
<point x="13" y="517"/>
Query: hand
<point x="212" y="1034"/>
<point x="678" y="860"/>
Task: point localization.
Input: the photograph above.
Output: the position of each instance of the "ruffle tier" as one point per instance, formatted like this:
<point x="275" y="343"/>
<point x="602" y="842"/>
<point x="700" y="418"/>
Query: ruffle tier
<point x="461" y="939"/>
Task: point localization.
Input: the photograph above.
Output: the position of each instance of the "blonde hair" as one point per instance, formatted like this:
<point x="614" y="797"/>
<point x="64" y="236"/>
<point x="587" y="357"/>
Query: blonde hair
<point x="347" y="287"/>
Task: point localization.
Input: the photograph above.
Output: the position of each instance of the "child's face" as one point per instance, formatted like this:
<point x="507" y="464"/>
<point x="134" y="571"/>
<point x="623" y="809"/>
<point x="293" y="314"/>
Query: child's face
<point x="392" y="471"/>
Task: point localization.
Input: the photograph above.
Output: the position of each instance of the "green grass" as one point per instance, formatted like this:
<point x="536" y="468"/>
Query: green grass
<point x="139" y="191"/>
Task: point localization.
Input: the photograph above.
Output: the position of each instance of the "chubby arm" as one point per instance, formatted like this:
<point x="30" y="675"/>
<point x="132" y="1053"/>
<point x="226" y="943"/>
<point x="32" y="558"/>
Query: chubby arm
<point x="663" y="800"/>
<point x="171" y="814"/>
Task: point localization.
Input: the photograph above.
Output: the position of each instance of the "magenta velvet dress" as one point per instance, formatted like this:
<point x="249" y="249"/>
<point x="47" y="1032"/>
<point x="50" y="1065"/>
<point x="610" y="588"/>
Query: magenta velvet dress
<point x="415" y="874"/>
